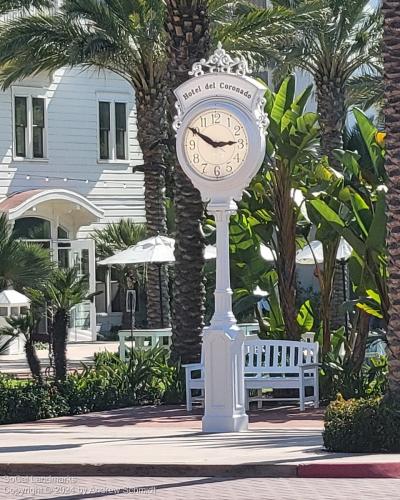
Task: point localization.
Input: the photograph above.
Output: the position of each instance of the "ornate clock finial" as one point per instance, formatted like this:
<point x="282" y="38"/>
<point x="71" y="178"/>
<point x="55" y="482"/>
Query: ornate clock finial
<point x="220" y="62"/>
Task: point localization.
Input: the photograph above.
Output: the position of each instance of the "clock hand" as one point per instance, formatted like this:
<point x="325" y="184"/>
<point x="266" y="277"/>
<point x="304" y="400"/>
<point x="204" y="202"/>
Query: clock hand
<point x="208" y="140"/>
<point x="220" y="144"/>
<point x="205" y="138"/>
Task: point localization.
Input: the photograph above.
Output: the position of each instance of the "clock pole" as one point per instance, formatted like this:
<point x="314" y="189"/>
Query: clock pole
<point x="223" y="342"/>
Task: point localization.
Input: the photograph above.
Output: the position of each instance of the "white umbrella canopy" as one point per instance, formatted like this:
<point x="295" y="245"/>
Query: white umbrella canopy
<point x="154" y="250"/>
<point x="13" y="298"/>
<point x="313" y="253"/>
<point x="267" y="253"/>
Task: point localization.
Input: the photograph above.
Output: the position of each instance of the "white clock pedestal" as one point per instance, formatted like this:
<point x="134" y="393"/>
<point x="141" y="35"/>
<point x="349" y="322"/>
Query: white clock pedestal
<point x="223" y="343"/>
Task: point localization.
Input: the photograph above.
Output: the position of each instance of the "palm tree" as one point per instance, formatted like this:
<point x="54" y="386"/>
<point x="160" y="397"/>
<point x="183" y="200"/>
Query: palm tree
<point x="21" y="263"/>
<point x="125" y="37"/>
<point x="64" y="290"/>
<point x="187" y="24"/>
<point x="26" y="324"/>
<point x="120" y="236"/>
<point x="391" y="12"/>
<point x="340" y="41"/>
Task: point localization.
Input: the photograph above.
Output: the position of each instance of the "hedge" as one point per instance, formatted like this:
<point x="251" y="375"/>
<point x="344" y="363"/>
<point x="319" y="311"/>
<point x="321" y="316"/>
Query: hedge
<point x="145" y="379"/>
<point x="362" y="426"/>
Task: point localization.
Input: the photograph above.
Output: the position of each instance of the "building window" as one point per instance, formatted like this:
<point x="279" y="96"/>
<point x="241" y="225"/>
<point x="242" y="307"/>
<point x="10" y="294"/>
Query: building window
<point x="37" y="127"/>
<point x="29" y="127"/>
<point x="104" y="124"/>
<point x="120" y="130"/>
<point x="112" y="130"/>
<point x="21" y="122"/>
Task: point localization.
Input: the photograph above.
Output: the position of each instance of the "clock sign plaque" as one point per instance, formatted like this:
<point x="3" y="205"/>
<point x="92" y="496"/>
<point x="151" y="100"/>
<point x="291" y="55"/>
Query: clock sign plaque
<point x="220" y="141"/>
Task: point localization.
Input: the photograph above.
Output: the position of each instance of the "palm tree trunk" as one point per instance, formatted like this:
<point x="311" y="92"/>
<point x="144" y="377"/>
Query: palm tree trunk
<point x="59" y="338"/>
<point x="286" y="247"/>
<point x="151" y="113"/>
<point x="391" y="10"/>
<point x="187" y="27"/>
<point x="33" y="360"/>
<point x="332" y="115"/>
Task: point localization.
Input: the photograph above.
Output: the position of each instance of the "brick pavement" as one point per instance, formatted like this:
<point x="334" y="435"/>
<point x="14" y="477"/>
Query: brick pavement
<point x="116" y="488"/>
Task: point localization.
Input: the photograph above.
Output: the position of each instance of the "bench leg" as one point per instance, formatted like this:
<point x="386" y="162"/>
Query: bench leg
<point x="246" y="399"/>
<point x="259" y="403"/>
<point x="301" y="394"/>
<point x="189" y="405"/>
<point x="316" y="389"/>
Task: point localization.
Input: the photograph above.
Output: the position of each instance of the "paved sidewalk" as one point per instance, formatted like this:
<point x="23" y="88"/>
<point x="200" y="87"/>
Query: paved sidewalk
<point x="195" y="488"/>
<point x="165" y="441"/>
<point x="77" y="353"/>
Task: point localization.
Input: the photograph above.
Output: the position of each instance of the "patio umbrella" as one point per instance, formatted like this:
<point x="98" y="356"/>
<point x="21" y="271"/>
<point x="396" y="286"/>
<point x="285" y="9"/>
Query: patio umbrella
<point x="155" y="250"/>
<point x="313" y="254"/>
<point x="267" y="253"/>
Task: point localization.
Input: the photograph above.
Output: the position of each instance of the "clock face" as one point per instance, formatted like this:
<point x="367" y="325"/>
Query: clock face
<point x="216" y="144"/>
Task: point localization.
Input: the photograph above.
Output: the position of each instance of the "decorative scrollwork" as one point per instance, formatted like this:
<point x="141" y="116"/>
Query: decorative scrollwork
<point x="261" y="115"/>
<point x="178" y="117"/>
<point x="220" y="62"/>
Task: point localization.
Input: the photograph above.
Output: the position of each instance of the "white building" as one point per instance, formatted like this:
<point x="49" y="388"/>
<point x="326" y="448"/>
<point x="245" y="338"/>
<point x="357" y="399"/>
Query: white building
<point x="67" y="150"/>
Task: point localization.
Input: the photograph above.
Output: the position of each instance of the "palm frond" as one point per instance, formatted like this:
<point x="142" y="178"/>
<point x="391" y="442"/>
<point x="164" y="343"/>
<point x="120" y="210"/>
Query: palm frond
<point x="21" y="263"/>
<point x="365" y="91"/>
<point x="7" y="6"/>
<point x="118" y="236"/>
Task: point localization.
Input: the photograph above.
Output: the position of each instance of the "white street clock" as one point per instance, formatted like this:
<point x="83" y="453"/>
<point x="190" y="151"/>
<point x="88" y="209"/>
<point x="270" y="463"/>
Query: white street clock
<point x="220" y="127"/>
<point x="220" y="142"/>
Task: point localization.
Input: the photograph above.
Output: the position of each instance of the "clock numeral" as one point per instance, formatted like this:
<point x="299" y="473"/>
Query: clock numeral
<point x="237" y="157"/>
<point x="217" y="170"/>
<point x="192" y="144"/>
<point x="204" y="165"/>
<point x="229" y="121"/>
<point x="195" y="131"/>
<point x="228" y="167"/>
<point x="203" y="121"/>
<point x="236" y="130"/>
<point x="216" y="117"/>
<point x="196" y="158"/>
<point x="240" y="143"/>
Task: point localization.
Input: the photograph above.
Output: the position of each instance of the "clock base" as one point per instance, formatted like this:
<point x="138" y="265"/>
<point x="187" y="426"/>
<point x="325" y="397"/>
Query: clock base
<point x="224" y="380"/>
<point x="239" y="423"/>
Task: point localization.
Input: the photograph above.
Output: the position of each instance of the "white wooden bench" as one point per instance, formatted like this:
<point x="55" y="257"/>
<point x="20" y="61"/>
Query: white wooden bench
<point x="269" y="364"/>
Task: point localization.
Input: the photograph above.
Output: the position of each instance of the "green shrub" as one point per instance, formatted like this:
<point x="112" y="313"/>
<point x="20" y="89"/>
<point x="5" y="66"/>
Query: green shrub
<point x="26" y="401"/>
<point x="109" y="383"/>
<point x="362" y="426"/>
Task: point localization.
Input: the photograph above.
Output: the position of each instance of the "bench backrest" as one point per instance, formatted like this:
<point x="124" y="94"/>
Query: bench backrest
<point x="278" y="356"/>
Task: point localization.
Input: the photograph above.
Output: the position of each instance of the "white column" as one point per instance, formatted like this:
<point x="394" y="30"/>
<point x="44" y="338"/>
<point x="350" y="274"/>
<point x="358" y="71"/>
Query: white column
<point x="223" y="344"/>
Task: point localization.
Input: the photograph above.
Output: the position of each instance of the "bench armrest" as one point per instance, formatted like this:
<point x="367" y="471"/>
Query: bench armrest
<point x="307" y="366"/>
<point x="193" y="366"/>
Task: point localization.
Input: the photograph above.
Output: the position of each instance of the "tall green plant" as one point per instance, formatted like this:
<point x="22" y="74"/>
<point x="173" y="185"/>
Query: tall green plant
<point x="353" y="206"/>
<point x="273" y="209"/>
<point x="64" y="290"/>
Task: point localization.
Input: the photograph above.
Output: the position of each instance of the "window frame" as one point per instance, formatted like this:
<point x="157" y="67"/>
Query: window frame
<point x="30" y="93"/>
<point x="113" y="99"/>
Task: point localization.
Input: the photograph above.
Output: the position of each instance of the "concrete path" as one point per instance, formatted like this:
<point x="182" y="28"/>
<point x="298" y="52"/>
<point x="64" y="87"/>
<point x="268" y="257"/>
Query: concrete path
<point x="77" y="353"/>
<point x="165" y="441"/>
<point x="195" y="488"/>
